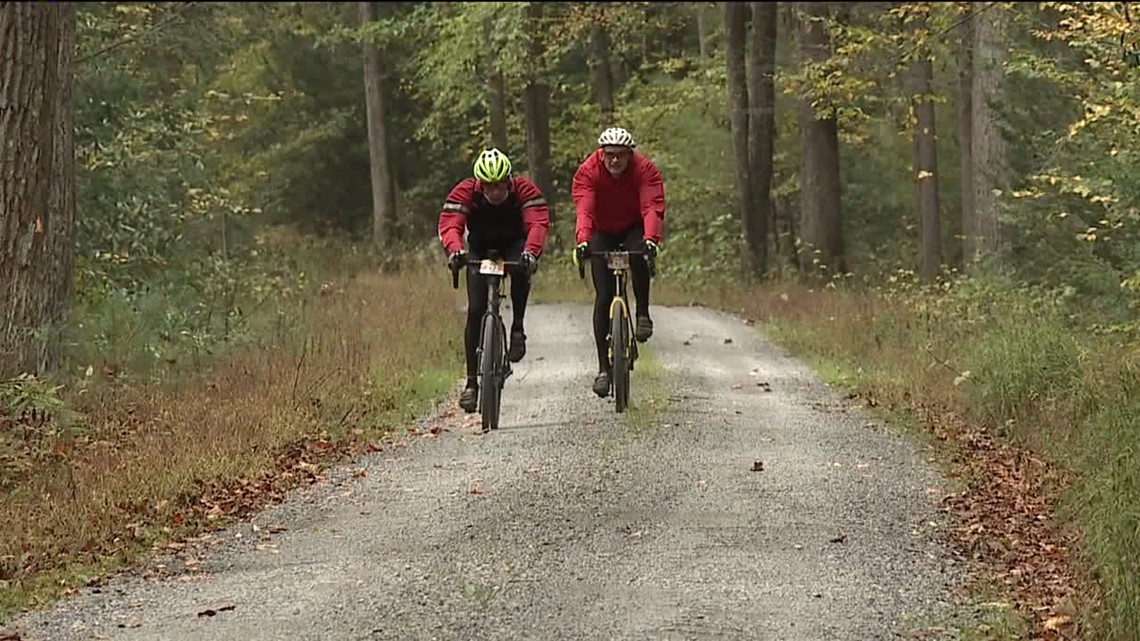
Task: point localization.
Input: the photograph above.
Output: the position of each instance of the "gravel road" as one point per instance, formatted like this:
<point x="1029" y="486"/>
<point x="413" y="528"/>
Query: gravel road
<point x="741" y="500"/>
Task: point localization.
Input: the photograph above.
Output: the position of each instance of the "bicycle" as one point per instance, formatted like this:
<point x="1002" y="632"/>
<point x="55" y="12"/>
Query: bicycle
<point x="621" y="346"/>
<point x="494" y="367"/>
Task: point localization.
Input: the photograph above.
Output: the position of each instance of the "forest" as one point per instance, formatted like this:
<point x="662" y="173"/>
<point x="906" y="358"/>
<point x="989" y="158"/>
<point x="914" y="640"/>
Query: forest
<point x="219" y="268"/>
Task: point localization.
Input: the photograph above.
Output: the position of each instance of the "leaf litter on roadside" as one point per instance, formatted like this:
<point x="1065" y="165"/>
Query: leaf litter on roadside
<point x="1003" y="522"/>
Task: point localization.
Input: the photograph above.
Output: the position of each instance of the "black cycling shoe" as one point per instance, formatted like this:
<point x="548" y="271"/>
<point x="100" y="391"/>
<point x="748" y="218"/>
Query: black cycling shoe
<point x="602" y="384"/>
<point x="469" y="399"/>
<point x="644" y="329"/>
<point x="518" y="346"/>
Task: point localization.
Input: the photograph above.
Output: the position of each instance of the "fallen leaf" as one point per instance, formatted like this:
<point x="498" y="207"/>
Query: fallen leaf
<point x="838" y="539"/>
<point x="1054" y="623"/>
<point x="757" y="466"/>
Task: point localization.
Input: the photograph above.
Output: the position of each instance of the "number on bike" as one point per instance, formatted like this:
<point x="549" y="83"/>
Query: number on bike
<point x="618" y="260"/>
<point x="492" y="267"/>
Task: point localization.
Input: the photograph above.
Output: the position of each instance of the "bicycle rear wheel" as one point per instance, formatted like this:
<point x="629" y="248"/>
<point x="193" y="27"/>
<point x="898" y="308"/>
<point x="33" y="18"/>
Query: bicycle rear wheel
<point x="619" y="333"/>
<point x="490" y="388"/>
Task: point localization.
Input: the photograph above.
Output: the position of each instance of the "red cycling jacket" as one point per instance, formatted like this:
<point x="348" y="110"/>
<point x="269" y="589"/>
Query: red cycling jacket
<point x="613" y="205"/>
<point x="523" y="216"/>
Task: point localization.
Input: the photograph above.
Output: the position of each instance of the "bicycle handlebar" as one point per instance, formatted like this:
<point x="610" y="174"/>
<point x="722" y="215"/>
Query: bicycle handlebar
<point x="469" y="262"/>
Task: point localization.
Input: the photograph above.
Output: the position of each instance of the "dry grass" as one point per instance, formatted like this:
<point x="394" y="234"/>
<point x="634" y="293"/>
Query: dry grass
<point x="162" y="460"/>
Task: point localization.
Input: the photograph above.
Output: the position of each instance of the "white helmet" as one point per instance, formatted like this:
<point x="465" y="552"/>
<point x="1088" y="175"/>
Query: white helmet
<point x="616" y="136"/>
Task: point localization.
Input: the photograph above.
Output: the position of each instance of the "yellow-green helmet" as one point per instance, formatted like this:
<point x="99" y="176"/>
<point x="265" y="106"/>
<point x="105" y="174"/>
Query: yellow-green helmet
<point x="492" y="166"/>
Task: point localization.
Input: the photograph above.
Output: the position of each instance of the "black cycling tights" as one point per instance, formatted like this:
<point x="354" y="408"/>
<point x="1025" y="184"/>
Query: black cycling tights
<point x="605" y="285"/>
<point x="477" y="306"/>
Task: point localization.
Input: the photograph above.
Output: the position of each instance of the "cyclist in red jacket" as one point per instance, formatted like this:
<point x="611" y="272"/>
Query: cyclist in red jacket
<point x="502" y="212"/>
<point x="619" y="196"/>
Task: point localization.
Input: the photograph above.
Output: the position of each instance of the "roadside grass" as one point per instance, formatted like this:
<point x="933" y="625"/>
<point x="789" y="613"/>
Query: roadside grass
<point x="110" y="468"/>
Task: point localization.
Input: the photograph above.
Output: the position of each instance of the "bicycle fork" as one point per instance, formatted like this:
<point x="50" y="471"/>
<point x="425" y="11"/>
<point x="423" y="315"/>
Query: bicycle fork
<point x="620" y="299"/>
<point x="492" y="314"/>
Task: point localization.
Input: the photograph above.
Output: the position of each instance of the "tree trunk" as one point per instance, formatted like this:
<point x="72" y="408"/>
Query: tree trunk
<point x="496" y="89"/>
<point x="966" y="214"/>
<point x="384" y="222"/>
<point x="987" y="146"/>
<point x="821" y="225"/>
<point x="735" y="30"/>
<point x="761" y="130"/>
<point x="926" y="165"/>
<point x="538" y="111"/>
<point x="702" y="30"/>
<point x="37" y="183"/>
<point x="603" y="75"/>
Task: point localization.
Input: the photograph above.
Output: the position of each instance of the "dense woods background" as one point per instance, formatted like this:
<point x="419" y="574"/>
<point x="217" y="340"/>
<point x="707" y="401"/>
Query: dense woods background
<point x="935" y="199"/>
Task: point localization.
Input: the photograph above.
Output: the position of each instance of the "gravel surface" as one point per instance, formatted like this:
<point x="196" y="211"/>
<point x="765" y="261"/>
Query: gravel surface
<point x="746" y="501"/>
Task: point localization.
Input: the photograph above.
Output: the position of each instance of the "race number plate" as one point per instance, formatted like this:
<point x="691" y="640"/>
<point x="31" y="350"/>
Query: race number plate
<point x="618" y="261"/>
<point x="492" y="267"/>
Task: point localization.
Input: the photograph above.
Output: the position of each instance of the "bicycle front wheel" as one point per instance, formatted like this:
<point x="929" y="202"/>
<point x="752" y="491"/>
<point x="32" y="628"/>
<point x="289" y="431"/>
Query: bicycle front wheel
<point x="619" y="332"/>
<point x="490" y="390"/>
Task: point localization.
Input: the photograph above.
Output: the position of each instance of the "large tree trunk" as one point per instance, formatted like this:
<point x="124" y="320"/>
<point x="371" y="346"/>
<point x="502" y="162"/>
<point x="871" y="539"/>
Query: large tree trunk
<point x="761" y="130"/>
<point x="37" y="183"/>
<point x="926" y="164"/>
<point x="965" y="140"/>
<point x="735" y="29"/>
<point x="987" y="145"/>
<point x="538" y="112"/>
<point x="821" y="226"/>
<point x="603" y="75"/>
<point x="384" y="222"/>
<point x="496" y="89"/>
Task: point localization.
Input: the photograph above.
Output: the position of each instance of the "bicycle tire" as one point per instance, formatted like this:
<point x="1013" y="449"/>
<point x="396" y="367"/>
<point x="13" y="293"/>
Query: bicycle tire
<point x="490" y="388"/>
<point x="619" y="331"/>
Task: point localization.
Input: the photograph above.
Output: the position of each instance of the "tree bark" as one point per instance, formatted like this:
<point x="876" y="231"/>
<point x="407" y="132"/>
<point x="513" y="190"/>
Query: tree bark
<point x="496" y="89"/>
<point x="965" y="140"/>
<point x="603" y="75"/>
<point x="538" y="111"/>
<point x="821" y="226"/>
<point x="384" y="221"/>
<point x="926" y="165"/>
<point x="37" y="183"/>
<point x="761" y="131"/>
<point x="987" y="146"/>
<point x="735" y="29"/>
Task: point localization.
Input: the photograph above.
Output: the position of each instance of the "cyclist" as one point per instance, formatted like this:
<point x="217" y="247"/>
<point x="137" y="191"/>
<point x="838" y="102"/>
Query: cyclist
<point x="619" y="196"/>
<point x="498" y="211"/>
